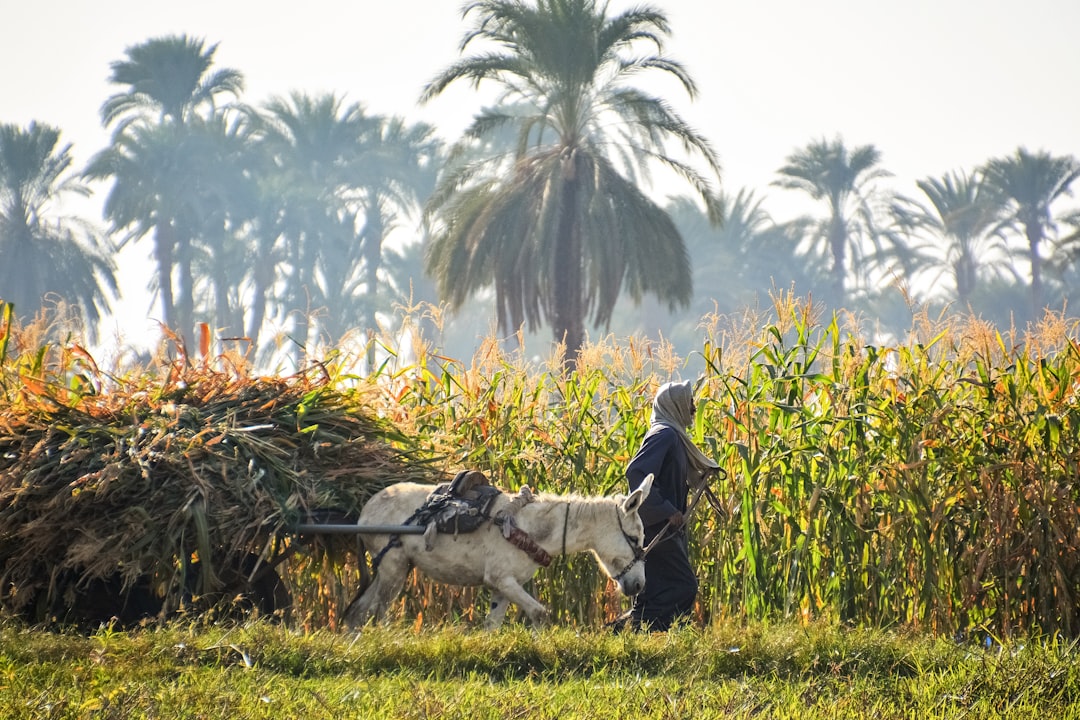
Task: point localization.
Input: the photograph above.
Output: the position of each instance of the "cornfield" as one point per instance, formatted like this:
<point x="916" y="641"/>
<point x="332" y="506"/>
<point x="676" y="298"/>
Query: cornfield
<point x="928" y="482"/>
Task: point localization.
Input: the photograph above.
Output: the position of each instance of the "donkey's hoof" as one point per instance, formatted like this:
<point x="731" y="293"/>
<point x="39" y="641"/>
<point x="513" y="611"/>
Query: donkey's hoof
<point x="540" y="618"/>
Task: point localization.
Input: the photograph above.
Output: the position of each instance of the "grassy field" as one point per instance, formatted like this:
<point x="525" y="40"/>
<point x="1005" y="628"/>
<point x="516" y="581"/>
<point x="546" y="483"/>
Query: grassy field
<point x="259" y="670"/>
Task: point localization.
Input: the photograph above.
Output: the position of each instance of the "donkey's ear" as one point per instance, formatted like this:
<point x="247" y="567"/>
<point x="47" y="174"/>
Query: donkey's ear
<point x="636" y="498"/>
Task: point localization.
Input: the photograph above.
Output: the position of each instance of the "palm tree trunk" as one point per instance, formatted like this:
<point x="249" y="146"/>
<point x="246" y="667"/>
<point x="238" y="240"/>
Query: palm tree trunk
<point x="1034" y="238"/>
<point x="262" y="279"/>
<point x="258" y="308"/>
<point x="163" y="252"/>
<point x="838" y="247"/>
<point x="568" y="322"/>
<point x="185" y="307"/>
<point x="373" y="241"/>
<point x="301" y="304"/>
<point x="223" y="310"/>
<point x="964" y="273"/>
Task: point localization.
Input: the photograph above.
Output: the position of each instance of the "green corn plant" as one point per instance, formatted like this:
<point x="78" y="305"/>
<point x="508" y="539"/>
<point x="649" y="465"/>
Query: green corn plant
<point x="927" y="483"/>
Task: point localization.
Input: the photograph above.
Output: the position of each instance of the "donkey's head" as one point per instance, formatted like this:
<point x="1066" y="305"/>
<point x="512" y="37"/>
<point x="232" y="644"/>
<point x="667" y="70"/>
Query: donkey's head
<point x="619" y="543"/>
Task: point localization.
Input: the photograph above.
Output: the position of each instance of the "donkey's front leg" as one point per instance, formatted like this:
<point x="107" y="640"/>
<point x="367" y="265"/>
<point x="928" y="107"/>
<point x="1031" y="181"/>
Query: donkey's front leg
<point x="497" y="612"/>
<point x="511" y="590"/>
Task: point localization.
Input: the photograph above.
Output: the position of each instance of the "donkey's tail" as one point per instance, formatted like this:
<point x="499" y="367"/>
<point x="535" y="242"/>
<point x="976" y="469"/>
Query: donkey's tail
<point x="367" y="573"/>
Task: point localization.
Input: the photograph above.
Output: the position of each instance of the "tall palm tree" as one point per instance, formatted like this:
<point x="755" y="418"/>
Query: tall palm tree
<point x="168" y="78"/>
<point x="1064" y="262"/>
<point x="394" y="175"/>
<point x="964" y="216"/>
<point x="265" y="251"/>
<point x="228" y="203"/>
<point x="167" y="83"/>
<point x="845" y="181"/>
<point x="140" y="198"/>
<point x="557" y="224"/>
<point x="45" y="253"/>
<point x="1029" y="184"/>
<point x="312" y="144"/>
<point x="162" y="184"/>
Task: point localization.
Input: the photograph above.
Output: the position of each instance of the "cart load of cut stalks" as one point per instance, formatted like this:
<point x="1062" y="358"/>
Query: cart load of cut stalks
<point x="175" y="484"/>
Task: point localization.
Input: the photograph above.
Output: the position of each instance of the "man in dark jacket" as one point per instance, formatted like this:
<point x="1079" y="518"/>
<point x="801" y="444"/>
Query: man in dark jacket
<point x="676" y="465"/>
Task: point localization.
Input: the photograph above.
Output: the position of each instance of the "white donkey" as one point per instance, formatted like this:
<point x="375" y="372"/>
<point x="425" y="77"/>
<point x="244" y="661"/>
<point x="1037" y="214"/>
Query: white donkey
<point x="609" y="527"/>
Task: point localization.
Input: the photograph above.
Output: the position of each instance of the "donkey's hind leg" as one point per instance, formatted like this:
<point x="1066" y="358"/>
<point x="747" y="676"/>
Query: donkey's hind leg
<point x="384" y="588"/>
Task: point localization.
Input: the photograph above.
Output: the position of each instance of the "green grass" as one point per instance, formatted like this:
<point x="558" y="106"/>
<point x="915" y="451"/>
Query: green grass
<point x="738" y="671"/>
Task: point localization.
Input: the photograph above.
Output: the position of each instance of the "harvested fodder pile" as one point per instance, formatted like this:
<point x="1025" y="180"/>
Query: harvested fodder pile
<point x="176" y="485"/>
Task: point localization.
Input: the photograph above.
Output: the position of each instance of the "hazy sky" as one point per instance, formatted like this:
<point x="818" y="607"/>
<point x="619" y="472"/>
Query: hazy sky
<point x="935" y="85"/>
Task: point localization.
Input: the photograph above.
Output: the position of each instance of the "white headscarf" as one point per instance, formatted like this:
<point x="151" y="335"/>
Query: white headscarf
<point x="673" y="408"/>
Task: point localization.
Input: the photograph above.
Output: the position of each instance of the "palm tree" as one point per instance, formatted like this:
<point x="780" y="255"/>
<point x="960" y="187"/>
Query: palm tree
<point x="265" y="254"/>
<point x="558" y="224"/>
<point x="168" y="82"/>
<point x="1065" y="260"/>
<point x="44" y="253"/>
<point x="736" y="264"/>
<point x="395" y="174"/>
<point x="1029" y="183"/>
<point x="964" y="215"/>
<point x="191" y="187"/>
<point x="845" y="181"/>
<point x="228" y="203"/>
<point x="312" y="145"/>
<point x="140" y="197"/>
<point x="168" y="78"/>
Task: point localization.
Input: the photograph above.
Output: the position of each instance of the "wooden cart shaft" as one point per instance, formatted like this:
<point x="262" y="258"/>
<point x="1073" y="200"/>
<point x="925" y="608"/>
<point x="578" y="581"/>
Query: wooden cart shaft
<point x="332" y="529"/>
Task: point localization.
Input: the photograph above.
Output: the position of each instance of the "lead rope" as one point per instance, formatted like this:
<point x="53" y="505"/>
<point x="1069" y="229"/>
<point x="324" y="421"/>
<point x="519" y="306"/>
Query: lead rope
<point x="702" y="490"/>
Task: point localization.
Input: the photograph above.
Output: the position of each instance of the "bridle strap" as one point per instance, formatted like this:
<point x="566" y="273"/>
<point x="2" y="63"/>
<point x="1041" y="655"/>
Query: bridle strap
<point x="639" y="554"/>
